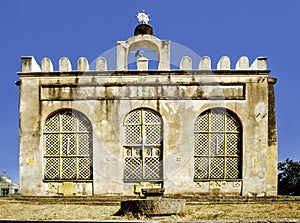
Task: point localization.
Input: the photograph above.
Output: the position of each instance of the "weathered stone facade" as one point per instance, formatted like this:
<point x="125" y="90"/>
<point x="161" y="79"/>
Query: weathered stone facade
<point x="99" y="132"/>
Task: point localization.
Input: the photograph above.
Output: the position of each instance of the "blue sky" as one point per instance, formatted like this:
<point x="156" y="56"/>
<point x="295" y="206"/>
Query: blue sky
<point x="214" y="28"/>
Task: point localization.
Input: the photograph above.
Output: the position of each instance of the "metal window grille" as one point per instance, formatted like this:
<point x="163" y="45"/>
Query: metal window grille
<point x="68" y="146"/>
<point x="143" y="145"/>
<point x="217" y="146"/>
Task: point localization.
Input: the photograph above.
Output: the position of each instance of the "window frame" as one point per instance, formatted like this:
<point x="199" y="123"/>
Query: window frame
<point x="207" y="154"/>
<point x="143" y="152"/>
<point x="78" y="156"/>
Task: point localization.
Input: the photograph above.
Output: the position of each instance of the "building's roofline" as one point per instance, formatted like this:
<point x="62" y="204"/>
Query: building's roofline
<point x="146" y="73"/>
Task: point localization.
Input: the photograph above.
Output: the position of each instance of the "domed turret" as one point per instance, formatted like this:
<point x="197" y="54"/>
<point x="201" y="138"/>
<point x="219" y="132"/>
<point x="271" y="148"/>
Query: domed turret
<point x="4" y="178"/>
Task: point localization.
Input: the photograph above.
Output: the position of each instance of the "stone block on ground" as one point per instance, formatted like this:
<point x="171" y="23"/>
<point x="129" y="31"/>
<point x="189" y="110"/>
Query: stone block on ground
<point x="152" y="207"/>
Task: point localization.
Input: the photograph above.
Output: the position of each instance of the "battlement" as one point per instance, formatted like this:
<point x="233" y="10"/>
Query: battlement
<point x="162" y="50"/>
<point x="29" y="64"/>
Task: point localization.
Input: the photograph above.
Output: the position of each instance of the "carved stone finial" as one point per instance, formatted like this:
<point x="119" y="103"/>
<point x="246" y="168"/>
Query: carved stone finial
<point x="144" y="27"/>
<point x="143" y="17"/>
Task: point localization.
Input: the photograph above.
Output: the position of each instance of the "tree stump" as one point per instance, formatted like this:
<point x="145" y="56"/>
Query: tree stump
<point x="152" y="206"/>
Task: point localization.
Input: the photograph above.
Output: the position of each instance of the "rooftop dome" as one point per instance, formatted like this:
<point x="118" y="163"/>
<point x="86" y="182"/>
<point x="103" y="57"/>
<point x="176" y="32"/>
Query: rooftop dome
<point x="143" y="29"/>
<point x="4" y="178"/>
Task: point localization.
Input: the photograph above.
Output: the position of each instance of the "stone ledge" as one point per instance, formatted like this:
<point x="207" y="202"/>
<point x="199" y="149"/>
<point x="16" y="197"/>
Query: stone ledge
<point x="254" y="220"/>
<point x="197" y="221"/>
<point x="153" y="192"/>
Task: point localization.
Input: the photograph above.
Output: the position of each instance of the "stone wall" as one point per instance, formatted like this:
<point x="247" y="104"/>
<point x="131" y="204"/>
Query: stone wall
<point x="106" y="101"/>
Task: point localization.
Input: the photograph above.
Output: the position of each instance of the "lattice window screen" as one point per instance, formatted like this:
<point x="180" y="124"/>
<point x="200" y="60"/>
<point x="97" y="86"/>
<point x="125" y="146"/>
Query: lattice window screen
<point x="143" y="145"/>
<point x="68" y="146"/>
<point x="217" y="146"/>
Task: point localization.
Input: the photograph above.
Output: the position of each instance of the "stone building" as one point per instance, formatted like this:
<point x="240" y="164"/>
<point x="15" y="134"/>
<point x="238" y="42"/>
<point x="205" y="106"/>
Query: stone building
<point x="7" y="187"/>
<point x="112" y="132"/>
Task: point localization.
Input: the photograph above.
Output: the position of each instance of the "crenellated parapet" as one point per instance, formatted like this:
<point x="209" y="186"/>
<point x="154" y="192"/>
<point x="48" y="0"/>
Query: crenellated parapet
<point x="162" y="50"/>
<point x="260" y="63"/>
<point x="29" y="64"/>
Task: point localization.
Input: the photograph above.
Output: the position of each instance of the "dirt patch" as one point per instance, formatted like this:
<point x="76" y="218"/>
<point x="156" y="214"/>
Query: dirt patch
<point x="19" y="210"/>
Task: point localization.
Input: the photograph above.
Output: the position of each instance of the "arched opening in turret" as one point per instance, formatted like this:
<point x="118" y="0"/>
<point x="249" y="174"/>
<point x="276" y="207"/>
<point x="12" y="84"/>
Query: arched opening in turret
<point x="159" y="47"/>
<point x="145" y="52"/>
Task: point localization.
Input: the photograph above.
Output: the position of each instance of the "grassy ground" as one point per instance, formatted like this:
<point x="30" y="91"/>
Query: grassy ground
<point x="29" y="211"/>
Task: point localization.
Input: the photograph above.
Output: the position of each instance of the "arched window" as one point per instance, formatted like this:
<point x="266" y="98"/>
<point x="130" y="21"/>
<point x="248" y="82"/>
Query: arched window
<point x="68" y="147"/>
<point x="143" y="145"/>
<point x="217" y="145"/>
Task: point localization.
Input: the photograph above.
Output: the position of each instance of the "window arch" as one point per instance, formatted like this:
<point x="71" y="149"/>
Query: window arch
<point x="68" y="151"/>
<point x="143" y="145"/>
<point x="217" y="145"/>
